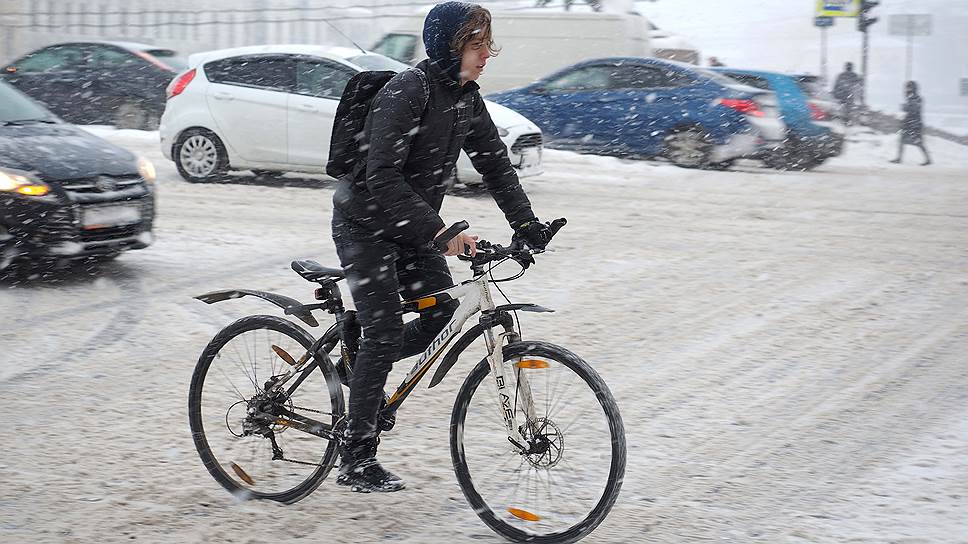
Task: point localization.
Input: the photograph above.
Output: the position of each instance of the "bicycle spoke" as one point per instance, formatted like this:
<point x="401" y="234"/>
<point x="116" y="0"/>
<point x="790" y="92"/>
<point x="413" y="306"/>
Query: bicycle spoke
<point x="246" y="367"/>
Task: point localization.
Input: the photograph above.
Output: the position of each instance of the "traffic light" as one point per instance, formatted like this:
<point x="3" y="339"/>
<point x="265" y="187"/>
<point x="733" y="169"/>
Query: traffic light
<point x="863" y="19"/>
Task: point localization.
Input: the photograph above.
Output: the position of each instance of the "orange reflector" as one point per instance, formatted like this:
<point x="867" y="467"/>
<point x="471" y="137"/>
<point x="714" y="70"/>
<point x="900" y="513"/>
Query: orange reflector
<point x="532" y="363"/>
<point x="523" y="514"/>
<point x="283" y="355"/>
<point x="242" y="474"/>
<point x="424" y="303"/>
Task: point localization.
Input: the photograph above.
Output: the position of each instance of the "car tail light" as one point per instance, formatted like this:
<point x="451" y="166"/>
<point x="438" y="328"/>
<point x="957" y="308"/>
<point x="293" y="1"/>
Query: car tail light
<point x="179" y="84"/>
<point x="746" y="107"/>
<point x="817" y="113"/>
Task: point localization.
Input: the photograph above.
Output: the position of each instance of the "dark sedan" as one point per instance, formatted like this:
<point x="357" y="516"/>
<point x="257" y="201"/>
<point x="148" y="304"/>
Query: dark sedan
<point x="64" y="193"/>
<point x="113" y="83"/>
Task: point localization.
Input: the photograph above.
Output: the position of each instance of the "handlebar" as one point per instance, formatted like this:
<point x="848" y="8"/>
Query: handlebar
<point x="439" y="243"/>
<point x="488" y="252"/>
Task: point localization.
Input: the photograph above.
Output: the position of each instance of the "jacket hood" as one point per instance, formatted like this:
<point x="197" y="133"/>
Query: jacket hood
<point x="440" y="27"/>
<point x="62" y="152"/>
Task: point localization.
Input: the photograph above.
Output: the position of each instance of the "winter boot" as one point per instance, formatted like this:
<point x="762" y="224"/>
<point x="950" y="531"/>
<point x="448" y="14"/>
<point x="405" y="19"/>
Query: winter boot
<point x="360" y="470"/>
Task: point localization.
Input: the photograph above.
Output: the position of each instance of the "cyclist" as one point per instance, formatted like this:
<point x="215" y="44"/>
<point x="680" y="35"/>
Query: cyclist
<point x="384" y="219"/>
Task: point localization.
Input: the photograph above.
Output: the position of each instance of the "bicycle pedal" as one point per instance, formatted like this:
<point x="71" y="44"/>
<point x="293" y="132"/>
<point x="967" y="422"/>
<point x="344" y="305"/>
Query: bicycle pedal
<point x="386" y="422"/>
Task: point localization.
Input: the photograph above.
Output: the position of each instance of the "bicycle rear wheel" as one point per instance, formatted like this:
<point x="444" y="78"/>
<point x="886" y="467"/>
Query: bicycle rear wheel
<point x="566" y="484"/>
<point x="260" y="456"/>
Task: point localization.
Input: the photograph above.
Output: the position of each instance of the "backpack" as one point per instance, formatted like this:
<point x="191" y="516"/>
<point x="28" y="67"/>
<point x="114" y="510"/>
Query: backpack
<point x="347" y="156"/>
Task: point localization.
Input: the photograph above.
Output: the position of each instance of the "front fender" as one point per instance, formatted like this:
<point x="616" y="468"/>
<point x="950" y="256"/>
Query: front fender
<point x="291" y="306"/>
<point x="523" y="308"/>
<point x="477" y="330"/>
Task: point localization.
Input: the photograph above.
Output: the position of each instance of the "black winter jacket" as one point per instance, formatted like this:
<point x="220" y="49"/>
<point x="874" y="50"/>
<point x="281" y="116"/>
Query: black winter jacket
<point x="911" y="125"/>
<point x="415" y="131"/>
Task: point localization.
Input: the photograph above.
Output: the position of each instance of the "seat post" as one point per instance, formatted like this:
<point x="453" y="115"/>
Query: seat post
<point x="329" y="293"/>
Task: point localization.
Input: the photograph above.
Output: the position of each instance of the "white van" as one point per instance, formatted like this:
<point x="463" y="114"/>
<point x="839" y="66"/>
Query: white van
<point x="534" y="42"/>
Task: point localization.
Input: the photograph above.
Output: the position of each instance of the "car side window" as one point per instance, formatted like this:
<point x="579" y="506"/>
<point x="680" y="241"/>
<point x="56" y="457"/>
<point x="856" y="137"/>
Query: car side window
<point x="320" y="78"/>
<point x="107" y="58"/>
<point x="752" y="81"/>
<point x="586" y="78"/>
<point x="272" y="73"/>
<point x="636" y="77"/>
<point x="647" y="77"/>
<point x="52" y="59"/>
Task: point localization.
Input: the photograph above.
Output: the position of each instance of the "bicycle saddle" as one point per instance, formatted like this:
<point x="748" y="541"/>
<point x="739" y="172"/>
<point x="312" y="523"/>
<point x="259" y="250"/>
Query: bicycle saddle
<point x="313" y="271"/>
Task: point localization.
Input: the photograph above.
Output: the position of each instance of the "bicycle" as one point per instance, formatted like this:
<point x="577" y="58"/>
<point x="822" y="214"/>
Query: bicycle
<point x="521" y="452"/>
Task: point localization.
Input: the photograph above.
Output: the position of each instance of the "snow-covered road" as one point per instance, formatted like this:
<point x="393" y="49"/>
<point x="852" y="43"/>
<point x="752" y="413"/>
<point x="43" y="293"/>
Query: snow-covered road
<point x="788" y="350"/>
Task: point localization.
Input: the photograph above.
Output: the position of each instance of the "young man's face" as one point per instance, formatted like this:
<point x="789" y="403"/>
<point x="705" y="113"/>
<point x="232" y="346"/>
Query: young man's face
<point x="473" y="60"/>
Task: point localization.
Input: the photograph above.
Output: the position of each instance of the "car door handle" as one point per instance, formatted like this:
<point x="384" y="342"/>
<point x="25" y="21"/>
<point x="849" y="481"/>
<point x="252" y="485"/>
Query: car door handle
<point x="224" y="96"/>
<point x="307" y="107"/>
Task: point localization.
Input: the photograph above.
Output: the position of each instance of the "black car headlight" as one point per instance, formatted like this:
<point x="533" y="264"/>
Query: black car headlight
<point x="24" y="183"/>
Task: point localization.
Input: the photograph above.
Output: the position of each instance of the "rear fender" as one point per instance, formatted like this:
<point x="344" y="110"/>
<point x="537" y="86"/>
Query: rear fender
<point x="472" y="334"/>
<point x="290" y="306"/>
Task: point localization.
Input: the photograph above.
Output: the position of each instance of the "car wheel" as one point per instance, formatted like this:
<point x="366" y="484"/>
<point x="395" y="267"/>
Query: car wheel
<point x="792" y="156"/>
<point x="688" y="147"/>
<point x="130" y="115"/>
<point x="200" y="156"/>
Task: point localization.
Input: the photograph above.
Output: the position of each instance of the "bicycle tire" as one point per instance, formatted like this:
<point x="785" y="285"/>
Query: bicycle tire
<point x="616" y="471"/>
<point x="327" y="458"/>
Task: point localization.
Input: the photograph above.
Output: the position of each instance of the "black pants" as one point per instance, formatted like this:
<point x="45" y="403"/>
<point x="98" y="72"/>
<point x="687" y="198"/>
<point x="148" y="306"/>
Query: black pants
<point x="378" y="273"/>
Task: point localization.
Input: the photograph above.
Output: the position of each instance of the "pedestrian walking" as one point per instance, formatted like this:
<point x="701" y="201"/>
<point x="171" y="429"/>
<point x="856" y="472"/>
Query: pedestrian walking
<point x="846" y="89"/>
<point x="912" y="127"/>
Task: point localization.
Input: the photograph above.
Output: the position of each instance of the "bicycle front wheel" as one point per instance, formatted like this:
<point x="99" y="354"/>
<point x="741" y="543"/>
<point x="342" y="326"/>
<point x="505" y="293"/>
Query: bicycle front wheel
<point x="245" y="434"/>
<point x="565" y="483"/>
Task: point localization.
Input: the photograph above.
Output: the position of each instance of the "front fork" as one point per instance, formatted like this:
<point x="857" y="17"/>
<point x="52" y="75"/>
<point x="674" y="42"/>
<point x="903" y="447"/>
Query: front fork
<point x="509" y="399"/>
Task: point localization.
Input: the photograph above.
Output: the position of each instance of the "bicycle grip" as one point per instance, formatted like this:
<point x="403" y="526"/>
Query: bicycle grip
<point x="439" y="243"/>
<point x="556" y="225"/>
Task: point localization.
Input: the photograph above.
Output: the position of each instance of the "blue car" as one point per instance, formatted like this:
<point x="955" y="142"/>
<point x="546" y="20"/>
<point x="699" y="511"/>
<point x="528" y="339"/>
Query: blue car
<point x="631" y="106"/>
<point x="813" y="135"/>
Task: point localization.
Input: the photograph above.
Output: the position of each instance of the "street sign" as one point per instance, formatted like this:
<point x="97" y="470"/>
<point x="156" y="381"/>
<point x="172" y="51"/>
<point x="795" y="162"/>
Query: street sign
<point x="823" y="21"/>
<point x="837" y="8"/>
<point x="909" y="25"/>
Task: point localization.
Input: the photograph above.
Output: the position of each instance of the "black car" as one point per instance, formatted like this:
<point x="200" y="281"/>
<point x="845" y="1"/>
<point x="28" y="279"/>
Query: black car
<point x="112" y="83"/>
<point x="66" y="194"/>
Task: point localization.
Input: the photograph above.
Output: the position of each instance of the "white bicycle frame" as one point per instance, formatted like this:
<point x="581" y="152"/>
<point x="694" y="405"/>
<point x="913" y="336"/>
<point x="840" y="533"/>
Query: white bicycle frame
<point x="475" y="296"/>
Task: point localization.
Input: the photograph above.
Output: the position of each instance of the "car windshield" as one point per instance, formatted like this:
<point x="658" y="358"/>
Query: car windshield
<point x="377" y="62"/>
<point x="16" y="107"/>
<point x="401" y="47"/>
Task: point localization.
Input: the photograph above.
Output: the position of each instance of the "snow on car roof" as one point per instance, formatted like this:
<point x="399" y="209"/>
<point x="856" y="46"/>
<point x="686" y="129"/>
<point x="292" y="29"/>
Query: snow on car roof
<point x="333" y="52"/>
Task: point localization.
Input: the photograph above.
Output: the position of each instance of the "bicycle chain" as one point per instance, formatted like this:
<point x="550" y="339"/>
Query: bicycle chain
<point x="301" y="462"/>
<point x="306" y="462"/>
<point x="311" y="410"/>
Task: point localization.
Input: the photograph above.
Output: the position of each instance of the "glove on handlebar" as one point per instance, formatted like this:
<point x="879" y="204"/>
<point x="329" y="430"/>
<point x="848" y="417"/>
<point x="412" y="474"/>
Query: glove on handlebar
<point x="533" y="234"/>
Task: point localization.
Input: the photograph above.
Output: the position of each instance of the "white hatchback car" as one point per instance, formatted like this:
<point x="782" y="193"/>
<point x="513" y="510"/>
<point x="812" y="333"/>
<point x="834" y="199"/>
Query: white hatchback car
<point x="270" y="109"/>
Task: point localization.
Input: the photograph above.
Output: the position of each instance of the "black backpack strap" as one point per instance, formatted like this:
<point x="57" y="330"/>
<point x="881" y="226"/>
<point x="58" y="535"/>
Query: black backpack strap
<point x="422" y="76"/>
